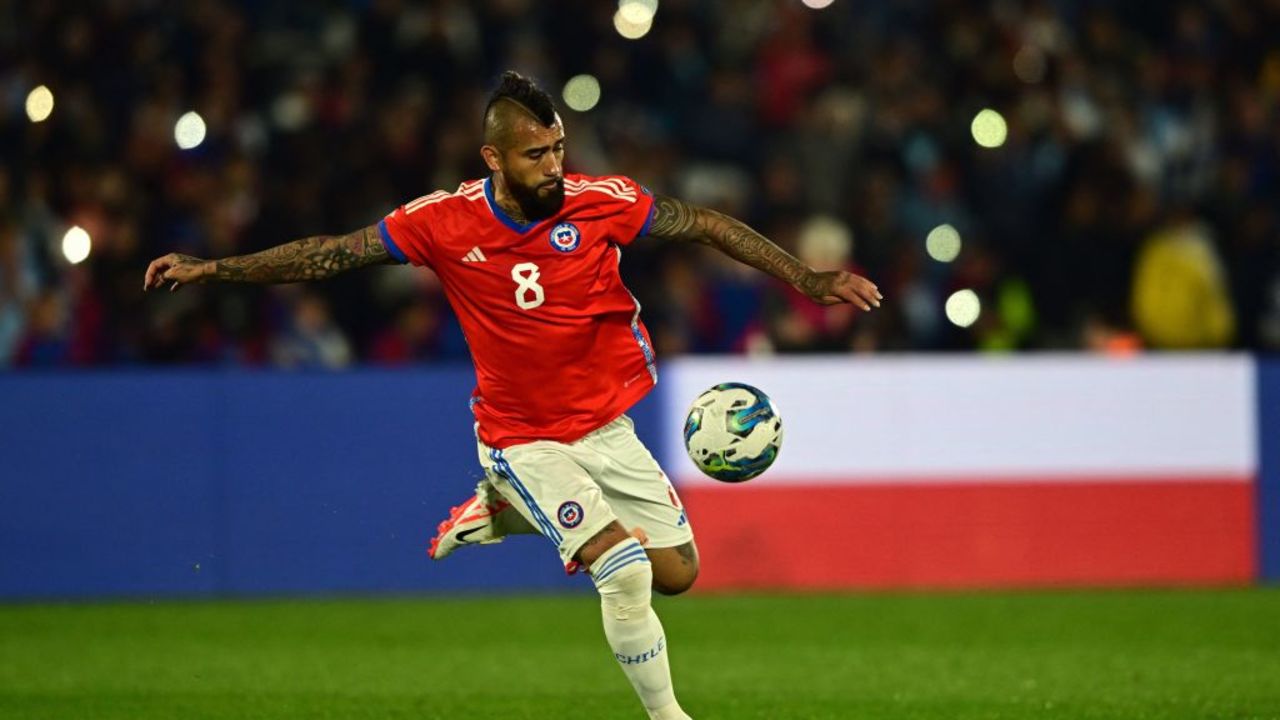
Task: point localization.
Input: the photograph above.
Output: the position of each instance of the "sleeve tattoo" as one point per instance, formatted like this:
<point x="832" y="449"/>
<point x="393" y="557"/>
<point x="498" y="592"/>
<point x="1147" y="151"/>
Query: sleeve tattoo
<point x="312" y="258"/>
<point x="677" y="220"/>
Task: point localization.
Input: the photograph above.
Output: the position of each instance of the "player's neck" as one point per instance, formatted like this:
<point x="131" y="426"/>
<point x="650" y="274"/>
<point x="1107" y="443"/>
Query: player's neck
<point x="508" y="204"/>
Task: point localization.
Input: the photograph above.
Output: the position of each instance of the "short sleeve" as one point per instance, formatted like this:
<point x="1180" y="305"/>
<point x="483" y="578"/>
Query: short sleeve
<point x="407" y="234"/>
<point x="636" y="214"/>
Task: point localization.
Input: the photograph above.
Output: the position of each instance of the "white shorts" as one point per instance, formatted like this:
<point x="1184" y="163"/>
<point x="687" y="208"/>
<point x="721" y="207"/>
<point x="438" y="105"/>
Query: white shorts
<point x="571" y="491"/>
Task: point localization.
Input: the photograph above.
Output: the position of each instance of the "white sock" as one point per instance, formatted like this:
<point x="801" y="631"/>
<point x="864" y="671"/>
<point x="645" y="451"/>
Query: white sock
<point x="624" y="579"/>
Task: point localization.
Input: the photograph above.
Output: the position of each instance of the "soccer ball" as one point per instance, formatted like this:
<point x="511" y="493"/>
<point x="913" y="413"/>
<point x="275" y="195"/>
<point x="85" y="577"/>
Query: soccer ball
<point x="733" y="432"/>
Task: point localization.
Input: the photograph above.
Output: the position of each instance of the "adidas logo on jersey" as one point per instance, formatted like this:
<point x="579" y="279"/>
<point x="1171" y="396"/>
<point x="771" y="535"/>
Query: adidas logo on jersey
<point x="476" y="255"/>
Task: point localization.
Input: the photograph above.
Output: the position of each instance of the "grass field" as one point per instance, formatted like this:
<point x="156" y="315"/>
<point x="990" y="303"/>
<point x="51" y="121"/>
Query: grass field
<point x="1121" y="655"/>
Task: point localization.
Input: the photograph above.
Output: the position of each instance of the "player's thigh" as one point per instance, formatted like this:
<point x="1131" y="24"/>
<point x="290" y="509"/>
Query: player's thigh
<point x="642" y="497"/>
<point x="556" y="494"/>
<point x="598" y="544"/>
<point x="636" y="487"/>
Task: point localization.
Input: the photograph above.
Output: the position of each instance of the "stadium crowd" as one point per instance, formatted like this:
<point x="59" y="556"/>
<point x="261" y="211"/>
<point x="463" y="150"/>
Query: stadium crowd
<point x="1132" y="205"/>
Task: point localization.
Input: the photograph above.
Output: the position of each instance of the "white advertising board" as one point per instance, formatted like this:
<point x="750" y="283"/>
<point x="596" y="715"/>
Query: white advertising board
<point x="975" y="418"/>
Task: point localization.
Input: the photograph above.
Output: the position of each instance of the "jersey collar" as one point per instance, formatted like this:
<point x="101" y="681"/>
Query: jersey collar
<point x="501" y="214"/>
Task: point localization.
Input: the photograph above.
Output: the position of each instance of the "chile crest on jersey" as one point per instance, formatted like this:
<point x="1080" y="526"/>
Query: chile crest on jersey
<point x="565" y="237"/>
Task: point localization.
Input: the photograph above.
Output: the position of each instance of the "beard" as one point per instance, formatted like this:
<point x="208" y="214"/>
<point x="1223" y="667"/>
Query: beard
<point x="538" y="202"/>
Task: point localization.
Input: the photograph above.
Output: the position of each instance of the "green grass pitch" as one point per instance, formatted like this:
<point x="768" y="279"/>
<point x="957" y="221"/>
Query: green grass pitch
<point x="1077" y="655"/>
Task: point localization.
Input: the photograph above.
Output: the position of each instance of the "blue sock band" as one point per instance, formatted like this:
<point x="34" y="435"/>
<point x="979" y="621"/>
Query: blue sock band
<point x="627" y="552"/>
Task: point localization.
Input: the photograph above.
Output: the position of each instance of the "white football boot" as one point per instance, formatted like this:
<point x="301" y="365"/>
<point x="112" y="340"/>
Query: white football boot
<point x="474" y="522"/>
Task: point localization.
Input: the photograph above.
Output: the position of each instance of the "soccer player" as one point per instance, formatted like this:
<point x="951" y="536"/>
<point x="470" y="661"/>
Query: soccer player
<point x="528" y="258"/>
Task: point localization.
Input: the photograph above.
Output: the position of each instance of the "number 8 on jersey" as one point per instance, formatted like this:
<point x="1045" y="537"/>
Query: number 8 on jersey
<point x="526" y="276"/>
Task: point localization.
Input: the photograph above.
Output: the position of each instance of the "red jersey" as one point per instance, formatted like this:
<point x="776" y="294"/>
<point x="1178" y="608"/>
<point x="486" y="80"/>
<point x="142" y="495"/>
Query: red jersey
<point x="555" y="336"/>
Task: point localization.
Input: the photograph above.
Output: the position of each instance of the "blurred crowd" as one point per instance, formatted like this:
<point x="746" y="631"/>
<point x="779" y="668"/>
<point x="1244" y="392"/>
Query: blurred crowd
<point x="1132" y="205"/>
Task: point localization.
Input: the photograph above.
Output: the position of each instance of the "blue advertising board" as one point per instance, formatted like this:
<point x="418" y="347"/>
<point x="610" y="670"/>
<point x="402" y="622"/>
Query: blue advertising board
<point x="189" y="483"/>
<point x="1268" y="499"/>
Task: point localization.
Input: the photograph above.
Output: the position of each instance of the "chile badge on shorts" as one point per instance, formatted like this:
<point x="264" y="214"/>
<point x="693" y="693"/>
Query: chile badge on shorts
<point x="569" y="515"/>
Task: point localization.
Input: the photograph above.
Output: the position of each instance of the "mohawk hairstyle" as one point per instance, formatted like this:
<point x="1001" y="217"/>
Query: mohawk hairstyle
<point x="525" y="93"/>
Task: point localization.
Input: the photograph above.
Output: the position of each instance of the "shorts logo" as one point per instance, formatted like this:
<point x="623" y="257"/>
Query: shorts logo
<point x="671" y="491"/>
<point x="565" y="237"/>
<point x="570" y="515"/>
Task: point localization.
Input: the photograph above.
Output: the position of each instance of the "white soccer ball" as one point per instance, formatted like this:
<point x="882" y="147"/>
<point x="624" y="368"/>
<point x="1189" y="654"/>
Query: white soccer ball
<point x="733" y="432"/>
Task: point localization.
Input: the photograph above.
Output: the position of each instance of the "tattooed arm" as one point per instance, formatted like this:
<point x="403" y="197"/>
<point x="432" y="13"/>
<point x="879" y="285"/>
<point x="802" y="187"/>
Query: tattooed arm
<point x="312" y="258"/>
<point x="677" y="220"/>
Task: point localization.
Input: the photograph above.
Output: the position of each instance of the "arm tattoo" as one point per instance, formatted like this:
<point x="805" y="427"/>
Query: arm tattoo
<point x="673" y="219"/>
<point x="678" y="220"/>
<point x="312" y="258"/>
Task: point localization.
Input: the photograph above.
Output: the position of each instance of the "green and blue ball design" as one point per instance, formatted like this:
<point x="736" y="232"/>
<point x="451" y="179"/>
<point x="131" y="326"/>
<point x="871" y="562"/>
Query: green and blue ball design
<point x="733" y="432"/>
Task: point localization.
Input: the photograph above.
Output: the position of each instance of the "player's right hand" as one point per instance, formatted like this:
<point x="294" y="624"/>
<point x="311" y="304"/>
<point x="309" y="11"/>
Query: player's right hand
<point x="178" y="269"/>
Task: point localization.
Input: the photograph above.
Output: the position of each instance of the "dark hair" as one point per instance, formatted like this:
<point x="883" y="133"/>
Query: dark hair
<point x="525" y="92"/>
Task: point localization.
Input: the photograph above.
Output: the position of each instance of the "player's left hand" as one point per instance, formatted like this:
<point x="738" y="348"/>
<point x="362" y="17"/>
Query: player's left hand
<point x="177" y="269"/>
<point x="833" y="287"/>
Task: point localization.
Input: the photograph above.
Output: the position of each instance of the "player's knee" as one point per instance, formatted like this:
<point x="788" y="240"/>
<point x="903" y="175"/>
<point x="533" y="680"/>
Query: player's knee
<point x="675" y="568"/>
<point x="673" y="581"/>
<point x="623" y="576"/>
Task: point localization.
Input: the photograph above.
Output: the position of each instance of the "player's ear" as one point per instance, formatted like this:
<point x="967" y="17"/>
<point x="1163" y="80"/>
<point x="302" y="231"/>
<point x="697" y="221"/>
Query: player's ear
<point x="492" y="157"/>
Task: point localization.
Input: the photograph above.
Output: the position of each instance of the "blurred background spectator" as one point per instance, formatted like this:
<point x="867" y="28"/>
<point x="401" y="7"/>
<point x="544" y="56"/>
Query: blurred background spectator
<point x="1015" y="174"/>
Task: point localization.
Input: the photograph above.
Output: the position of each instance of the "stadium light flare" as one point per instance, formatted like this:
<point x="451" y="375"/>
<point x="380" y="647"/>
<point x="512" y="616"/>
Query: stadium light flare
<point x="628" y="29"/>
<point x="989" y="128"/>
<point x="817" y="4"/>
<point x="582" y="92"/>
<point x="943" y="243"/>
<point x="76" y="245"/>
<point x="39" y="104"/>
<point x="963" y="308"/>
<point x="189" y="131"/>
<point x="638" y="12"/>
